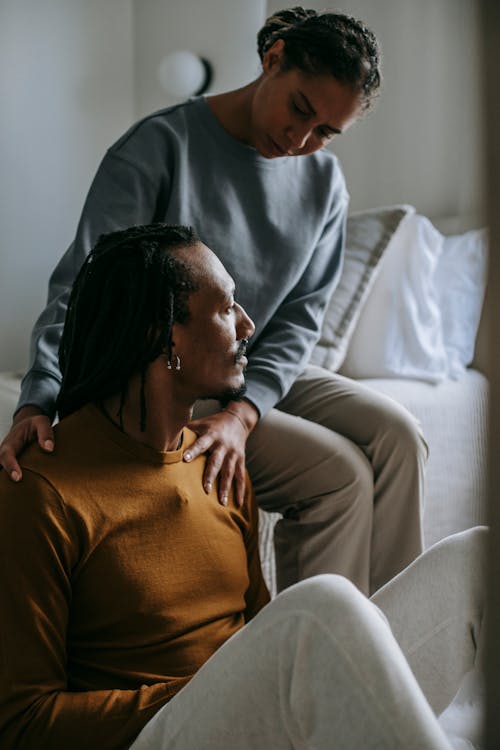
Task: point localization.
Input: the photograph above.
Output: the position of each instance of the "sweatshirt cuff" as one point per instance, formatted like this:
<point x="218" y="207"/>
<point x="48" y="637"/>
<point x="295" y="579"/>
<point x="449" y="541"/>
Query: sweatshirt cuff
<point x="39" y="388"/>
<point x="262" y="392"/>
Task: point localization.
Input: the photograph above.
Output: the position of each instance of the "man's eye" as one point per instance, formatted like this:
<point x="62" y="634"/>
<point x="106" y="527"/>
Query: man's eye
<point x="326" y="135"/>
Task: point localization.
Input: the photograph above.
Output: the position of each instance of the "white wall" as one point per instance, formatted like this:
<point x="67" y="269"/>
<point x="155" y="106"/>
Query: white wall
<point x="75" y="73"/>
<point x="66" y="93"/>
<point x="222" y="31"/>
<point x="422" y="144"/>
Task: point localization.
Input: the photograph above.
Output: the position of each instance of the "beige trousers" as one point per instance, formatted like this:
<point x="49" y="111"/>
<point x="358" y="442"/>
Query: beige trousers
<point x="344" y="466"/>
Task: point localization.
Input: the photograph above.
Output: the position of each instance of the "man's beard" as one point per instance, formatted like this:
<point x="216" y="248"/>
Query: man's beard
<point x="228" y="395"/>
<point x="232" y="394"/>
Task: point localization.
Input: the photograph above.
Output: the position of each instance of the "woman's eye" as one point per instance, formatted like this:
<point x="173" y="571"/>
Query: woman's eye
<point x="299" y="110"/>
<point x="326" y="135"/>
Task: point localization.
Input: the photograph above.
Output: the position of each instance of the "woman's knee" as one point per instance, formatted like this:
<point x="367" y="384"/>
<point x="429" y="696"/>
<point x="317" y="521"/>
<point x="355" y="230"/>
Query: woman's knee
<point x="404" y="434"/>
<point x="356" y="472"/>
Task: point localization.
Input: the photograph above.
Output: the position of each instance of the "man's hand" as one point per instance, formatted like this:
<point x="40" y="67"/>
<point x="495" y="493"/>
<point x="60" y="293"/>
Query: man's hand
<point x="29" y="424"/>
<point x="223" y="436"/>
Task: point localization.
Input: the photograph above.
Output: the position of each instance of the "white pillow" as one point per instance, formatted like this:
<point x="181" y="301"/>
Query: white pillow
<point x="461" y="283"/>
<point x="399" y="332"/>
<point x="368" y="235"/>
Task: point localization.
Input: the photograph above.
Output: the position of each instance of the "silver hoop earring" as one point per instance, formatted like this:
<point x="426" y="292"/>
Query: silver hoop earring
<point x="176" y="365"/>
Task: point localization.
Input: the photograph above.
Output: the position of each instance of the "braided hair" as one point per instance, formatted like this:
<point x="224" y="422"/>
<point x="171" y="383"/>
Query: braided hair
<point x="125" y="300"/>
<point x="331" y="43"/>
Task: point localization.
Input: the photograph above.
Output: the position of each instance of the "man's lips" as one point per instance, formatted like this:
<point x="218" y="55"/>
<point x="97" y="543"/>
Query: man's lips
<point x="241" y="351"/>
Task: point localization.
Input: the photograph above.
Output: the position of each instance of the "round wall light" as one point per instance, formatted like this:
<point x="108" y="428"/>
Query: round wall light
<point x="183" y="74"/>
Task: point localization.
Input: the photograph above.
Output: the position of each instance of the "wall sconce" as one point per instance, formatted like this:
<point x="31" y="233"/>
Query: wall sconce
<point x="183" y="74"/>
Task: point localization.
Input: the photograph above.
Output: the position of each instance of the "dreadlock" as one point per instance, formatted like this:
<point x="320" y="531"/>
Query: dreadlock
<point x="330" y="43"/>
<point x="125" y="300"/>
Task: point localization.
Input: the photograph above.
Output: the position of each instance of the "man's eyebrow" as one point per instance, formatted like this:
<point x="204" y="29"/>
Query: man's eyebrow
<point x="312" y="111"/>
<point x="228" y="293"/>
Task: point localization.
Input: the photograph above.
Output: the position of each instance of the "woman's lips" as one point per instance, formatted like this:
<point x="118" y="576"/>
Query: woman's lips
<point x="276" y="148"/>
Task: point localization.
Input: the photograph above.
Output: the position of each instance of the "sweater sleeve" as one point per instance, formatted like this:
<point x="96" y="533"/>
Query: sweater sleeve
<point x="284" y="347"/>
<point x="124" y="192"/>
<point x="38" y="550"/>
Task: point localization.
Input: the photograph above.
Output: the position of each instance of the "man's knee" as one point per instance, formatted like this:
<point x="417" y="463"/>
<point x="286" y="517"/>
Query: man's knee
<point x="464" y="553"/>
<point x="324" y="595"/>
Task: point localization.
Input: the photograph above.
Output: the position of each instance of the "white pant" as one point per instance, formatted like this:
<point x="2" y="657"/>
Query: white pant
<point x="320" y="668"/>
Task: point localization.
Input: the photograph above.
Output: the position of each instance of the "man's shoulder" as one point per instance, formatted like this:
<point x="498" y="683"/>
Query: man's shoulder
<point x="77" y="438"/>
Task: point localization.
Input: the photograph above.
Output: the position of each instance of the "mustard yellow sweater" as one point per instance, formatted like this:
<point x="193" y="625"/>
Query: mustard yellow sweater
<point x="119" y="578"/>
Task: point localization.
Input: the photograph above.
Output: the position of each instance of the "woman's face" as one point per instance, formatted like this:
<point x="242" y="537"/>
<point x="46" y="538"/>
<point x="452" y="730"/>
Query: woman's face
<point x="294" y="113"/>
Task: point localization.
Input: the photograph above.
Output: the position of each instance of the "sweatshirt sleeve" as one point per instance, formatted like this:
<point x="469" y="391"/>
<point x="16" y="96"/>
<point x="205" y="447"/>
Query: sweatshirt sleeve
<point x="38" y="551"/>
<point x="284" y="347"/>
<point x="125" y="191"/>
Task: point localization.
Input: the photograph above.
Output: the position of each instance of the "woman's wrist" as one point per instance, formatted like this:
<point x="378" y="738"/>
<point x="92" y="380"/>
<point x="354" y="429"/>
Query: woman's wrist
<point x="29" y="410"/>
<point x="245" y="412"/>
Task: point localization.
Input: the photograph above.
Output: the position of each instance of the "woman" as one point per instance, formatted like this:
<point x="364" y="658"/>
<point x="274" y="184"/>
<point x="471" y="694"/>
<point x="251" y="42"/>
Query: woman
<point x="247" y="169"/>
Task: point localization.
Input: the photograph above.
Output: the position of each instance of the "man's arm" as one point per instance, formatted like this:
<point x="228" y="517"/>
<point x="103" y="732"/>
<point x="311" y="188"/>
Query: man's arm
<point x="257" y="595"/>
<point x="38" y="551"/>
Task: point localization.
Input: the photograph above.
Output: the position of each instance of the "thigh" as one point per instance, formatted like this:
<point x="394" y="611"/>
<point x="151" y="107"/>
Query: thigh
<point x="347" y="406"/>
<point x="317" y="663"/>
<point x="292" y="460"/>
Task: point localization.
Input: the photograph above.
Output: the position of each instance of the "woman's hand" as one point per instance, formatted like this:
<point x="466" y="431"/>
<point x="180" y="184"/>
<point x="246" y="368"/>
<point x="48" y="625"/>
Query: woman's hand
<point x="223" y="436"/>
<point x="29" y="424"/>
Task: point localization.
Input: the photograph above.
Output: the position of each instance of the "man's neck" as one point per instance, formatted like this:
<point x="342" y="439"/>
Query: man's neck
<point x="165" y="418"/>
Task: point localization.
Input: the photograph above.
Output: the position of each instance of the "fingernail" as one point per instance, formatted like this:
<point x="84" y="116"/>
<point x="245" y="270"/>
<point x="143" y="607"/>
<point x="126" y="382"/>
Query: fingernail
<point x="224" y="499"/>
<point x="187" y="456"/>
<point x="48" y="445"/>
<point x="208" y="486"/>
<point x="15" y="476"/>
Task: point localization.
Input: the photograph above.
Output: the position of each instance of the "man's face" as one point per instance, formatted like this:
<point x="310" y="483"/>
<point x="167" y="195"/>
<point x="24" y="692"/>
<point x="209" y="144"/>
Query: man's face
<point x="211" y="344"/>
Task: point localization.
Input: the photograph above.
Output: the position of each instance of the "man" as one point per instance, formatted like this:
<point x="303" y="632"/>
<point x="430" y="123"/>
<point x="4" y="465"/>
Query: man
<point x="132" y="602"/>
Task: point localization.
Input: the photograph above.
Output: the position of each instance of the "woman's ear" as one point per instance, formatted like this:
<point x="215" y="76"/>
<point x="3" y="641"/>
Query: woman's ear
<point x="273" y="57"/>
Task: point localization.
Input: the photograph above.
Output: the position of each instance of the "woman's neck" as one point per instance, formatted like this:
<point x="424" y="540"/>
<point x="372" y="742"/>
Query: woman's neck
<point x="233" y="110"/>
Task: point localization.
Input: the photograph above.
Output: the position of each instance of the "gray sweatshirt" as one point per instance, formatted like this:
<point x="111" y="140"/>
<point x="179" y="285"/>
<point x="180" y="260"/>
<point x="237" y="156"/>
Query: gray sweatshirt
<point x="276" y="224"/>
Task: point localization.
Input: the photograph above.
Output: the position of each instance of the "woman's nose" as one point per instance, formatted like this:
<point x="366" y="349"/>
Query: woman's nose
<point x="298" y="137"/>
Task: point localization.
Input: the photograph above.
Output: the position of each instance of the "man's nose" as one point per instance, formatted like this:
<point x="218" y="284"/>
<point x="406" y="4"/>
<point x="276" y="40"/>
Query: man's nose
<point x="245" y="327"/>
